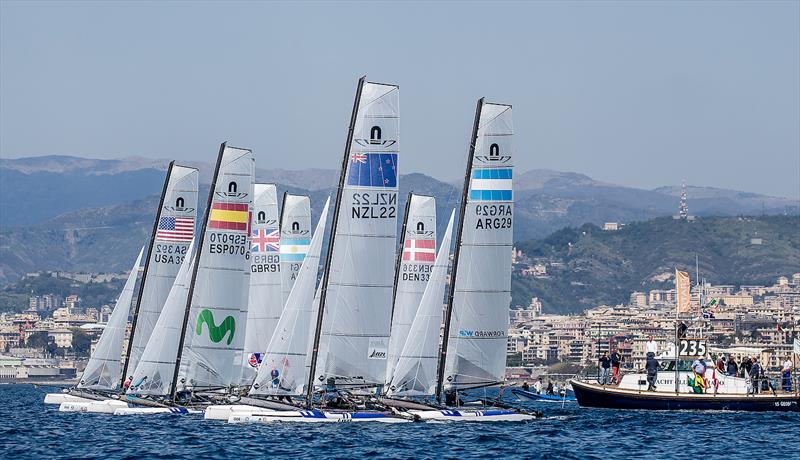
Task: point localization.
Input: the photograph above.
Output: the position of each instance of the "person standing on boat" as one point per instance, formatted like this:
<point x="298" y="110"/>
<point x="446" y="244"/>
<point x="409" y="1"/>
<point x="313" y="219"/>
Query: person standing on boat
<point x="127" y="383"/>
<point x="786" y="374"/>
<point x="652" y="345"/>
<point x="525" y="386"/>
<point x="616" y="361"/>
<point x="652" y="371"/>
<point x="605" y="369"/>
<point x="733" y="369"/>
<point x="537" y="386"/>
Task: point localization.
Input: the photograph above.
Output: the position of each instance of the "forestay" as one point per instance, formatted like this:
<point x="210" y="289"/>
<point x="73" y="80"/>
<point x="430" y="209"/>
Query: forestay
<point x="295" y="238"/>
<point x="217" y="304"/>
<point x="283" y="369"/>
<point x="476" y="354"/>
<point x="103" y="370"/>
<point x="154" y="373"/>
<point x="357" y="302"/>
<point x="415" y="373"/>
<point x="265" y="302"/>
<point x="416" y="259"/>
<point x="173" y="230"/>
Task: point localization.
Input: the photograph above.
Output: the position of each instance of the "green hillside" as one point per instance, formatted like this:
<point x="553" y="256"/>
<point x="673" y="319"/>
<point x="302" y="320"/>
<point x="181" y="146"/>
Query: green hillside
<point x="604" y="267"/>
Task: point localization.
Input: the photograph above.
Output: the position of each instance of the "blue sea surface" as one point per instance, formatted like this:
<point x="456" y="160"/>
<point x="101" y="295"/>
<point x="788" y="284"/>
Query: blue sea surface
<point x="31" y="429"/>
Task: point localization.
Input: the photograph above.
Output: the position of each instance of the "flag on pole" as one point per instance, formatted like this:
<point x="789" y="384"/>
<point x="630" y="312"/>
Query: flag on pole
<point x="683" y="287"/>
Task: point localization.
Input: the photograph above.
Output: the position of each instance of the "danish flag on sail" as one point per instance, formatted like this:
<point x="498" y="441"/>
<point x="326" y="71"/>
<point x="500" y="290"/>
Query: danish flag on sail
<point x="419" y="250"/>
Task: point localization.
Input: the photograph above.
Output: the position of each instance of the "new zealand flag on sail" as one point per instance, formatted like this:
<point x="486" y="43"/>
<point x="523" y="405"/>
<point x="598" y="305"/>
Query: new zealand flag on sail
<point x="373" y="170"/>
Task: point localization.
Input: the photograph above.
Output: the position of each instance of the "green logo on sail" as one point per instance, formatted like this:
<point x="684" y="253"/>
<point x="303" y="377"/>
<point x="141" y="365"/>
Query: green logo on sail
<point x="216" y="333"/>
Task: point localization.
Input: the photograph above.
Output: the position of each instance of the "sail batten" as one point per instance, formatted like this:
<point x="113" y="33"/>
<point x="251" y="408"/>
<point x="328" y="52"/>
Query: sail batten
<point x="104" y="367"/>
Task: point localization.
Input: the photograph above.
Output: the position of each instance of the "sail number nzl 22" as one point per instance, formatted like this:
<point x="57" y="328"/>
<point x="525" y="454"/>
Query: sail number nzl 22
<point x="380" y="205"/>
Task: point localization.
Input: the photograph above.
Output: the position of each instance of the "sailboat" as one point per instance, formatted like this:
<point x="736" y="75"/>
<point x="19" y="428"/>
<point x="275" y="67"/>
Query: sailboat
<point x="415" y="261"/>
<point x="282" y="372"/>
<point x="214" y="287"/>
<point x="101" y="377"/>
<point x="265" y="300"/>
<point x="295" y="220"/>
<point x="473" y="350"/>
<point x="173" y="229"/>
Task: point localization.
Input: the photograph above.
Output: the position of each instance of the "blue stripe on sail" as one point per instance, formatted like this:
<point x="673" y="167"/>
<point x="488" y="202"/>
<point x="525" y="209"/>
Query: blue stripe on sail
<point x="490" y="195"/>
<point x="492" y="173"/>
<point x="293" y="257"/>
<point x="300" y="242"/>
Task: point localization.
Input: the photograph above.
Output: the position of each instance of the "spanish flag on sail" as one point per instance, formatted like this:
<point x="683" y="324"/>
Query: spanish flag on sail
<point x="229" y="216"/>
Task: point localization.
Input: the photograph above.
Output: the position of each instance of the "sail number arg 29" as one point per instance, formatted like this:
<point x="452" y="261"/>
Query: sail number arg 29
<point x="493" y="216"/>
<point x="382" y="205"/>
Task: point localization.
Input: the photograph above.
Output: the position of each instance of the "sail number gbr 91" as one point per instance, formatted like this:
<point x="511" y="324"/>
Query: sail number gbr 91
<point x="493" y="216"/>
<point x="226" y="243"/>
<point x="380" y="205"/>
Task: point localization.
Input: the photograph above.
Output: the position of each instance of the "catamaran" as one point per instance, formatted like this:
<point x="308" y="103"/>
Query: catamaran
<point x="173" y="229"/>
<point x="210" y="342"/>
<point x="473" y="350"/>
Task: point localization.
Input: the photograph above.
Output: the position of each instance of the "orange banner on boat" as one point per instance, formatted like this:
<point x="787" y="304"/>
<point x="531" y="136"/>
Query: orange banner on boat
<point x="229" y="216"/>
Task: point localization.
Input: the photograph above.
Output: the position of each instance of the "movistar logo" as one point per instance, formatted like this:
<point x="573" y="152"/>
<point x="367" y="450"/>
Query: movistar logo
<point x="216" y="333"/>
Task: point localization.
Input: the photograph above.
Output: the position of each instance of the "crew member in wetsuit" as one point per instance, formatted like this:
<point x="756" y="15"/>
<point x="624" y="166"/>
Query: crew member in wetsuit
<point x="332" y="397"/>
<point x="451" y="398"/>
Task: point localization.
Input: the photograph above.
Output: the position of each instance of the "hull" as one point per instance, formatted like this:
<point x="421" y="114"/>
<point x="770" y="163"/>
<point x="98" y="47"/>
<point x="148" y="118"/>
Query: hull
<point x="489" y="415"/>
<point x="58" y="398"/>
<point x="223" y="412"/>
<point x="540" y="397"/>
<point x="593" y="395"/>
<point x="156" y="411"/>
<point x="314" y="416"/>
<point x="94" y="407"/>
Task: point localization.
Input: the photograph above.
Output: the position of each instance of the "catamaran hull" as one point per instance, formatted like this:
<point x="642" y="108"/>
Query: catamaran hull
<point x="58" y="398"/>
<point x="95" y="407"/>
<point x="223" y="412"/>
<point x="156" y="411"/>
<point x="540" y="397"/>
<point x="490" y="415"/>
<point x="313" y="416"/>
<point x="593" y="395"/>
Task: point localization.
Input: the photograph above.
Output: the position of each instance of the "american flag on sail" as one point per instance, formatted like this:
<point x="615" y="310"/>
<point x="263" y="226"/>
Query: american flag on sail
<point x="175" y="229"/>
<point x="419" y="250"/>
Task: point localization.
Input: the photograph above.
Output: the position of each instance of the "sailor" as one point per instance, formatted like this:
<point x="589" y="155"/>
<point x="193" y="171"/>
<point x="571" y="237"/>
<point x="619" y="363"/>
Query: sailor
<point x="550" y="387"/>
<point x="127" y="383"/>
<point x="786" y="374"/>
<point x="605" y="369"/>
<point x="537" y="386"/>
<point x="332" y="396"/>
<point x="732" y="368"/>
<point x="652" y="371"/>
<point x="525" y="386"/>
<point x="616" y="360"/>
<point x="755" y="375"/>
<point x="451" y="398"/>
<point x="652" y="345"/>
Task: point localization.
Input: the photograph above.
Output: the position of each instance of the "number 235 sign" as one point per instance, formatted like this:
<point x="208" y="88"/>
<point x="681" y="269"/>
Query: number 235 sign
<point x="692" y="347"/>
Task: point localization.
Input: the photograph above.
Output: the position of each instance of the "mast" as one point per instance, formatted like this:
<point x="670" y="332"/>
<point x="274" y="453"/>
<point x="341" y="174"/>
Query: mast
<point x="451" y="292"/>
<point x="399" y="258"/>
<point x="280" y="213"/>
<point x="144" y="273"/>
<point x="194" y="272"/>
<point x="329" y="255"/>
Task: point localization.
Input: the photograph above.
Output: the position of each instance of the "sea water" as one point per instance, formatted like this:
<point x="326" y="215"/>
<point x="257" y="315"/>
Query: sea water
<point x="31" y="429"/>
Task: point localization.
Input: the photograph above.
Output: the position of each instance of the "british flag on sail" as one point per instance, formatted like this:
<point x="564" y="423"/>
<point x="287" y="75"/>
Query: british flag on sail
<point x="265" y="240"/>
<point x="175" y="229"/>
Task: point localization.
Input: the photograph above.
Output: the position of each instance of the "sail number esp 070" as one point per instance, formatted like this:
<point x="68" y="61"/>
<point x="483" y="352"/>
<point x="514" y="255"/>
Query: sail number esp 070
<point x="380" y="205"/>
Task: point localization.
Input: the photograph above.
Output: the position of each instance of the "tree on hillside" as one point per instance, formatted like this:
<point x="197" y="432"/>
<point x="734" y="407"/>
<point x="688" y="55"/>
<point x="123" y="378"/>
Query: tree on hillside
<point x="81" y="343"/>
<point x="38" y="339"/>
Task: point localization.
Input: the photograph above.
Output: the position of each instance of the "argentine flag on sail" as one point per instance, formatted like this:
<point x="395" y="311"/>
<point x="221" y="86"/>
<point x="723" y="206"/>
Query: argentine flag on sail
<point x="294" y="250"/>
<point x="491" y="184"/>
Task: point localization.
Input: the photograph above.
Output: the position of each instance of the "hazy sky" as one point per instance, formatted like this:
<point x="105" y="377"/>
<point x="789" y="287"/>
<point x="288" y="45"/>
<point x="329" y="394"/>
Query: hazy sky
<point x="641" y="94"/>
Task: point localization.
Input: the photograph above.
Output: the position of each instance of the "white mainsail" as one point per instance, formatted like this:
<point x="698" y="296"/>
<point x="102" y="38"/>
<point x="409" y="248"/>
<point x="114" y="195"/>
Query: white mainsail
<point x="103" y="370"/>
<point x="283" y="369"/>
<point x="172" y="232"/>
<point x="295" y="238"/>
<point x="357" y="299"/>
<point x="217" y="304"/>
<point x="265" y="302"/>
<point x="415" y="372"/>
<point x="154" y="373"/>
<point x="416" y="258"/>
<point x="481" y="292"/>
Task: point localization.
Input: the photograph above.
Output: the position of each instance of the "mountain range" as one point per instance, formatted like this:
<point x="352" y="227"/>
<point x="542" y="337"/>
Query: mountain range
<point x="78" y="214"/>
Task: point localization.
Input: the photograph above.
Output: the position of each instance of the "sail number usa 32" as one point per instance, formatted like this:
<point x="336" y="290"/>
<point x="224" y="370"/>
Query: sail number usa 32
<point x="692" y="347"/>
